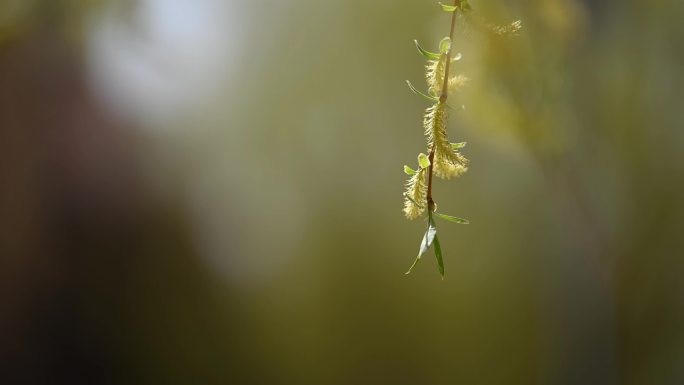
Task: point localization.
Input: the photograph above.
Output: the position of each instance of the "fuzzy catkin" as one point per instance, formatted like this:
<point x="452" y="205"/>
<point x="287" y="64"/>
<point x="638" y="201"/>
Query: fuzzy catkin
<point x="434" y="74"/>
<point x="456" y="82"/>
<point x="447" y="162"/>
<point x="416" y="189"/>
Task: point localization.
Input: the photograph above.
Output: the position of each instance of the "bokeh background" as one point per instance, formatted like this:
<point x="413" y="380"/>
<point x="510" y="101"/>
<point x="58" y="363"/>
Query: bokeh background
<point x="209" y="192"/>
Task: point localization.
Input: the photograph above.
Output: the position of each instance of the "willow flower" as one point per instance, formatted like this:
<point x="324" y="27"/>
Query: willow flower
<point x="444" y="159"/>
<point x="434" y="74"/>
<point x="511" y="29"/>
<point x="447" y="161"/>
<point x="415" y="195"/>
<point x="457" y="82"/>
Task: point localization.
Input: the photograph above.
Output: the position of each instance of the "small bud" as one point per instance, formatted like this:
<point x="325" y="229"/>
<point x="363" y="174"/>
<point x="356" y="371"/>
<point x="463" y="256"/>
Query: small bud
<point x="445" y="45"/>
<point x="423" y="161"/>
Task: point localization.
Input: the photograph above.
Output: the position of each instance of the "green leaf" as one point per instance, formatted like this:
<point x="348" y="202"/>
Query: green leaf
<point x="427" y="54"/>
<point x="428" y="238"/>
<point x="425" y="244"/>
<point x="456" y="146"/>
<point x="423" y="160"/>
<point x="438" y="254"/>
<point x="445" y="45"/>
<point x="448" y="8"/>
<point x="408" y="170"/>
<point x="453" y="218"/>
<point x="415" y="91"/>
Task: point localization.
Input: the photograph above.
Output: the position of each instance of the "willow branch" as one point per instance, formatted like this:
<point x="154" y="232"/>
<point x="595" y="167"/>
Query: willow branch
<point x="442" y="99"/>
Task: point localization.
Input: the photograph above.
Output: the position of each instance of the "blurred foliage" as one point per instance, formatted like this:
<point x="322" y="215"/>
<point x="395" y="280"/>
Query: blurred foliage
<point x="254" y="237"/>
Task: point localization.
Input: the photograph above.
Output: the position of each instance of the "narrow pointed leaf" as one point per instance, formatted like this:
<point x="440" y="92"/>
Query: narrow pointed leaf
<point x="408" y="170"/>
<point x="438" y="254"/>
<point x="456" y="146"/>
<point x="428" y="238"/>
<point x="452" y="218"/>
<point x="415" y="91"/>
<point x="448" y="8"/>
<point x="427" y="54"/>
<point x="425" y="244"/>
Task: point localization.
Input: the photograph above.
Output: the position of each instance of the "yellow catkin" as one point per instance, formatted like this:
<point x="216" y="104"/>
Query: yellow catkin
<point x="511" y="29"/>
<point x="434" y="74"/>
<point x="447" y="162"/>
<point x="457" y="82"/>
<point x="416" y="189"/>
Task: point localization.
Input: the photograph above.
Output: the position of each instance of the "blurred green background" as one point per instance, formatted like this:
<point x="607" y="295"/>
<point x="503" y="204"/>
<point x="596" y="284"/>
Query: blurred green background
<point x="208" y="191"/>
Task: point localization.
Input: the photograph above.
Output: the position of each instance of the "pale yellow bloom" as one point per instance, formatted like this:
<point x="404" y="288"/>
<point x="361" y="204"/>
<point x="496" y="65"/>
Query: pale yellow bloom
<point x="416" y="190"/>
<point x="447" y="162"/>
<point x="511" y="29"/>
<point x="456" y="82"/>
<point x="434" y="74"/>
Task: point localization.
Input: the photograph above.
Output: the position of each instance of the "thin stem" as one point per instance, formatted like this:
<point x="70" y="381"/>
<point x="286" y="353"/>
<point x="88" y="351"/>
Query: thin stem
<point x="430" y="201"/>
<point x="442" y="99"/>
<point x="445" y="83"/>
